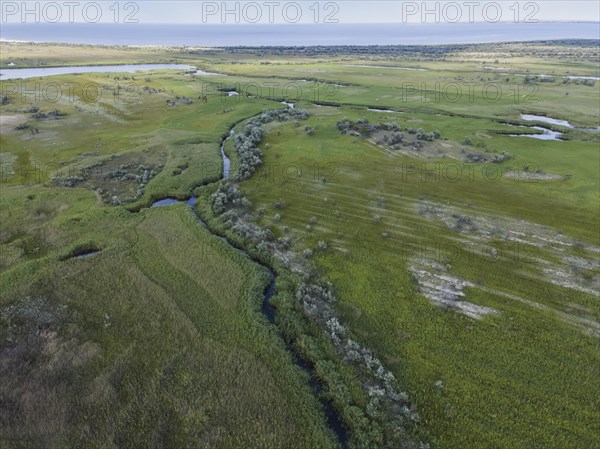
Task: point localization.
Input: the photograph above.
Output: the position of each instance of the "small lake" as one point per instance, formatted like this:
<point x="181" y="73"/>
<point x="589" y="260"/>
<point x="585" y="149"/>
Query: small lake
<point x="11" y="74"/>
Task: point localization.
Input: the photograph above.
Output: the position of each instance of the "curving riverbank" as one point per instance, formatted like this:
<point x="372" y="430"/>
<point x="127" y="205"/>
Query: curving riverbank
<point x="334" y="421"/>
<point x="359" y="397"/>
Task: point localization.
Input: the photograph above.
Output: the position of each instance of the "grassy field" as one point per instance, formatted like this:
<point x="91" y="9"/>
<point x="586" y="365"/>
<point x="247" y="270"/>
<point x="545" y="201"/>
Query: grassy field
<point x="140" y="344"/>
<point x="148" y="343"/>
<point x="468" y="264"/>
<point x="506" y="377"/>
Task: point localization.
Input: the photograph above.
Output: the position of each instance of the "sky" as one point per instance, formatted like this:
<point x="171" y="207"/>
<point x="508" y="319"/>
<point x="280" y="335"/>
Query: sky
<point x="311" y="11"/>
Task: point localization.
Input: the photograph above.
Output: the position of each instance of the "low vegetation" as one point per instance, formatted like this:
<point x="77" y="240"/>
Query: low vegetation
<point x="435" y="276"/>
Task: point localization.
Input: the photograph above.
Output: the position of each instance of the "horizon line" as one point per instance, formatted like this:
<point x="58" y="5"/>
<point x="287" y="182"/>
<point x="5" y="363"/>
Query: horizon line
<point x="315" y="24"/>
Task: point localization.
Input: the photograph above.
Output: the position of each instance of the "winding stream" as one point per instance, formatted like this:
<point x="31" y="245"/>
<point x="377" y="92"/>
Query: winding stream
<point x="334" y="421"/>
<point x="226" y="160"/>
<point x="549" y="120"/>
<point x="547" y="134"/>
<point x="554" y="121"/>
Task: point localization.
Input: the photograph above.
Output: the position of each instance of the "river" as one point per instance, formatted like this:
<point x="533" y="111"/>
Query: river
<point x="334" y="421"/>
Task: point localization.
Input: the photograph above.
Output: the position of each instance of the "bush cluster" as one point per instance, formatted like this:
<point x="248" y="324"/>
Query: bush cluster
<point x="228" y="196"/>
<point x="67" y="181"/>
<point x="53" y="114"/>
<point x="578" y="81"/>
<point x="383" y="417"/>
<point x="246" y="143"/>
<point x="385" y="403"/>
<point x="362" y="128"/>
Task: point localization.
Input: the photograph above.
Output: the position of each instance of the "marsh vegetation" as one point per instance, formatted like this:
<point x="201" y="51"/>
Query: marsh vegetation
<point x="436" y="278"/>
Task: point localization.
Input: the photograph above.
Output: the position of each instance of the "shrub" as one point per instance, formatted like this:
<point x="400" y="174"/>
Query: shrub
<point x="228" y="196"/>
<point x="246" y="143"/>
<point x="285" y="242"/>
<point x="396" y="138"/>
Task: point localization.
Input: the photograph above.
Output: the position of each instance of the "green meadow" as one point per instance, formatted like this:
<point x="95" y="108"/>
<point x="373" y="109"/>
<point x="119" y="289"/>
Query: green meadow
<point x="467" y="263"/>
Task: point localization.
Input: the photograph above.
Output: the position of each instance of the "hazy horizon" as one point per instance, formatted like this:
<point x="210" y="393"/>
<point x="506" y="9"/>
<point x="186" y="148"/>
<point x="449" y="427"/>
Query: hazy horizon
<point x="219" y="35"/>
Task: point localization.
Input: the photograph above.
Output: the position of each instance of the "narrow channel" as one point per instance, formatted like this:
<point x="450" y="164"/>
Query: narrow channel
<point x="334" y="421"/>
<point x="226" y="160"/>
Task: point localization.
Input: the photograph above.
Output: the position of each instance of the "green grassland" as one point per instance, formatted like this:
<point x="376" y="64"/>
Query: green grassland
<point x="149" y="343"/>
<point x="506" y="375"/>
<point x="158" y="339"/>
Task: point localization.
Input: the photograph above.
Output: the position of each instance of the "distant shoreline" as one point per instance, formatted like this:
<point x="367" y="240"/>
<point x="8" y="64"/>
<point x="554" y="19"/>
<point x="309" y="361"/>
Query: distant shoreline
<point x="340" y="46"/>
<point x="295" y="35"/>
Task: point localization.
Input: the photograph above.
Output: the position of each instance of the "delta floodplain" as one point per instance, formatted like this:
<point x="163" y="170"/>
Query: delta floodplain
<point x="287" y="247"/>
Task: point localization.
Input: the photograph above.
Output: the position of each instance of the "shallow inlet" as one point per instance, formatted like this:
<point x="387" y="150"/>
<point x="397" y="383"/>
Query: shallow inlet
<point x="11" y="74"/>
